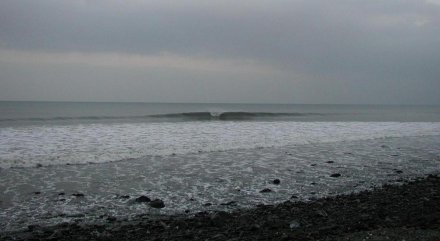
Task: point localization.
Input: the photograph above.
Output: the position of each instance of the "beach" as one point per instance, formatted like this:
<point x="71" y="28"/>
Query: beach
<point x="219" y="120"/>
<point x="75" y="171"/>
<point x="409" y="211"/>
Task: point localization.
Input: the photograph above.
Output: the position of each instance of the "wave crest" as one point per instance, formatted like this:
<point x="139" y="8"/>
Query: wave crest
<point x="204" y="115"/>
<point x="239" y="115"/>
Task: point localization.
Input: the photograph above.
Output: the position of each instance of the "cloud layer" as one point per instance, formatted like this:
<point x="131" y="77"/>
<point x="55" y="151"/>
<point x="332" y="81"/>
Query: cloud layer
<point x="252" y="51"/>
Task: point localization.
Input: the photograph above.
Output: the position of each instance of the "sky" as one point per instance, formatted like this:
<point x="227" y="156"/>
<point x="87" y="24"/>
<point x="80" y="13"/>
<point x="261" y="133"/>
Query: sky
<point x="247" y="51"/>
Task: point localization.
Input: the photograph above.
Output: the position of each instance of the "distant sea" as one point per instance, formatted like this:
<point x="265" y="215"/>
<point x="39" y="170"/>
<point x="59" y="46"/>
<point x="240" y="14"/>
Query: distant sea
<point x="193" y="154"/>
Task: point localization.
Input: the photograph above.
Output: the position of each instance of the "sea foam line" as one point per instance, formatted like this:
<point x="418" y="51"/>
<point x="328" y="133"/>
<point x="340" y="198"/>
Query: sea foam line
<point x="97" y="143"/>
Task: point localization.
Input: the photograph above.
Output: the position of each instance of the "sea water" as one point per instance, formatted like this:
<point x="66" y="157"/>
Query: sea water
<point x="199" y="157"/>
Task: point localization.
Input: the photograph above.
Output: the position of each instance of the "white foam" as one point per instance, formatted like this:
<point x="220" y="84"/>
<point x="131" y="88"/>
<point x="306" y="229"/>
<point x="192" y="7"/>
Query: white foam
<point x="98" y="143"/>
<point x="187" y="182"/>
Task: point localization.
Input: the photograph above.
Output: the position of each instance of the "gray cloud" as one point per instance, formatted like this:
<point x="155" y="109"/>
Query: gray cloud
<point x="322" y="51"/>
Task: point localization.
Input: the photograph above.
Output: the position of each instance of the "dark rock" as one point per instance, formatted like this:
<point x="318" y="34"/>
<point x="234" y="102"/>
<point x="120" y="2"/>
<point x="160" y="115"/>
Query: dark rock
<point x="63" y="225"/>
<point x="38" y="165"/>
<point x="313" y="165"/>
<point x="220" y="218"/>
<point x="245" y="219"/>
<point x="76" y="215"/>
<point x="78" y="195"/>
<point x="266" y="190"/>
<point x="219" y="236"/>
<point x="293" y="197"/>
<point x="157" y="203"/>
<point x="37" y="193"/>
<point x="399" y="171"/>
<point x="335" y="175"/>
<point x="142" y="199"/>
<point x="125" y="196"/>
<point x="328" y="228"/>
<point x="231" y="203"/>
<point x="33" y="227"/>
<point x="61" y="193"/>
<point x="201" y="214"/>
<point x="313" y="183"/>
<point x="408" y="211"/>
<point x="330" y="162"/>
<point x="276" y="181"/>
<point x="187" y="211"/>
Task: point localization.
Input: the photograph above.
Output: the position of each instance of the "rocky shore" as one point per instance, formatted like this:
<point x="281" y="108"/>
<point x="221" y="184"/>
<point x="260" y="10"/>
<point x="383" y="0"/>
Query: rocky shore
<point x="410" y="211"/>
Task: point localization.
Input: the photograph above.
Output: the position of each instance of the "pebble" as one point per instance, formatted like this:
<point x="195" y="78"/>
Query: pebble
<point x="276" y="181"/>
<point x="294" y="224"/>
<point x="335" y="175"/>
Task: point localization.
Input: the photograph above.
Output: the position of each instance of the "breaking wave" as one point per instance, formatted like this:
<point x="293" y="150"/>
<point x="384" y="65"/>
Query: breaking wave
<point x="176" y="116"/>
<point x="230" y="115"/>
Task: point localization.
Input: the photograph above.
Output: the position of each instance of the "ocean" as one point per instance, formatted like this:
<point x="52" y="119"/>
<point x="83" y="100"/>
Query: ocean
<point x="199" y="157"/>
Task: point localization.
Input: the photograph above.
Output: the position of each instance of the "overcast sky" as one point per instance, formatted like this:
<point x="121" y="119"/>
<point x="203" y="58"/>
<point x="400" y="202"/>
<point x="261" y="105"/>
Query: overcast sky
<point x="253" y="51"/>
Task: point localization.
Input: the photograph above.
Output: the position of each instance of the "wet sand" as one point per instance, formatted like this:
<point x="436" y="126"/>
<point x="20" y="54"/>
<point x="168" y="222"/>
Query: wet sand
<point x="409" y="211"/>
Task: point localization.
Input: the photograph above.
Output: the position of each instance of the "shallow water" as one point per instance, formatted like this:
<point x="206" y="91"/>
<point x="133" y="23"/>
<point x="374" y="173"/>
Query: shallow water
<point x="188" y="181"/>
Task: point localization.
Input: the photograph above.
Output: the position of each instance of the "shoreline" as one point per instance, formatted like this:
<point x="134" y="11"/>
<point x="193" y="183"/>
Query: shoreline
<point x="410" y="211"/>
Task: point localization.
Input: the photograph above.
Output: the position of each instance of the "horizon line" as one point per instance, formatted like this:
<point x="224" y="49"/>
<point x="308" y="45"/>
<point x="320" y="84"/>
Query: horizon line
<point x="223" y="103"/>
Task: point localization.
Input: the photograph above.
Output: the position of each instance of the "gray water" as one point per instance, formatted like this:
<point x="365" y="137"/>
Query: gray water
<point x="192" y="154"/>
<point x="14" y="113"/>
